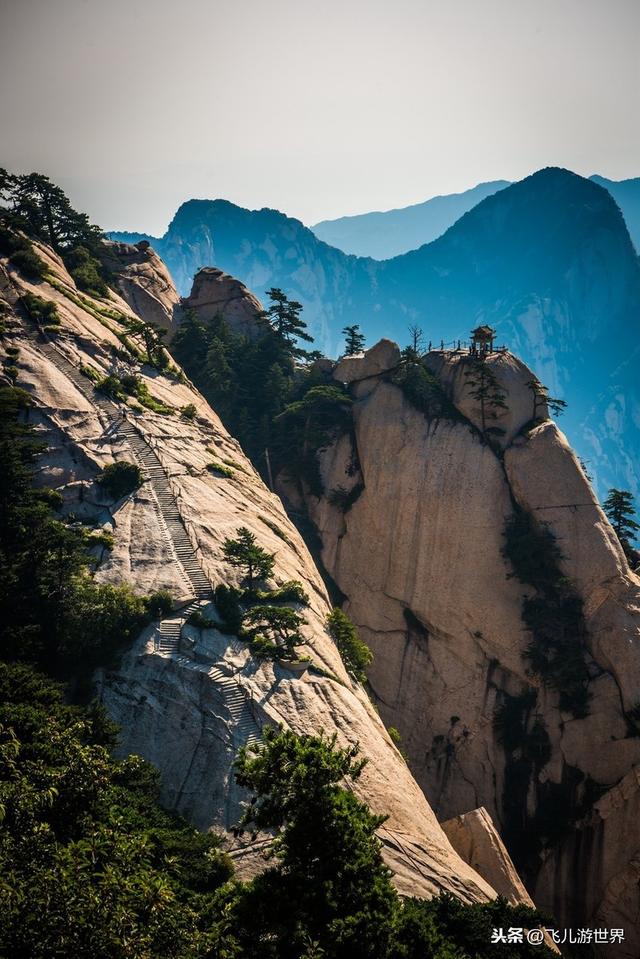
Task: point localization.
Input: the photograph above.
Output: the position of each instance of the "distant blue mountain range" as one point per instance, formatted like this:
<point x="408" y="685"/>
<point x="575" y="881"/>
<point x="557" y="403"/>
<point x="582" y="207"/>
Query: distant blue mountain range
<point x="548" y="261"/>
<point x="393" y="232"/>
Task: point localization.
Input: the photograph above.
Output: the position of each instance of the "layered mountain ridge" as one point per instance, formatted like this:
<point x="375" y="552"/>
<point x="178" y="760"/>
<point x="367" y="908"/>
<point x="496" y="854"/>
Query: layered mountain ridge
<point x="547" y="261"/>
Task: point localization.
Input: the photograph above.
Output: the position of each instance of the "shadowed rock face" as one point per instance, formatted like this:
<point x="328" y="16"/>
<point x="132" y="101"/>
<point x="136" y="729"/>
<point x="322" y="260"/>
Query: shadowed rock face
<point x="420" y="557"/>
<point x="215" y="292"/>
<point x="188" y="702"/>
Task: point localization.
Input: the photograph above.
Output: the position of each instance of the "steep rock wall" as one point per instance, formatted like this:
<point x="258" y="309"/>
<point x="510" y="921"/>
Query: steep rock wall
<point x="186" y="698"/>
<point x="420" y="557"/>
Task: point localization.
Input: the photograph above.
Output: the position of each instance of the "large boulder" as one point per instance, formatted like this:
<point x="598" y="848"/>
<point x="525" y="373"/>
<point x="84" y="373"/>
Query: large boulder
<point x="215" y="292"/>
<point x="143" y="281"/>
<point x="382" y="357"/>
<point x="475" y="838"/>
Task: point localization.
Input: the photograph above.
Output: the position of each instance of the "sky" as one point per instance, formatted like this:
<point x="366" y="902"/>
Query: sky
<point x="316" y="109"/>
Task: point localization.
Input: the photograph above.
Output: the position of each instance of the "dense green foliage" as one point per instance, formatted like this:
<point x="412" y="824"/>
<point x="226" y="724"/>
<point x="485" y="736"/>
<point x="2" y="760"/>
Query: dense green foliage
<point x="355" y="654"/>
<point x="308" y="425"/>
<point x="329" y="892"/>
<point x="554" y="615"/>
<point x="620" y="510"/>
<point x="91" y="866"/>
<point x="39" y="309"/>
<point x="273" y="631"/>
<point x="120" y="478"/>
<point x="33" y="204"/>
<point x="281" y="411"/>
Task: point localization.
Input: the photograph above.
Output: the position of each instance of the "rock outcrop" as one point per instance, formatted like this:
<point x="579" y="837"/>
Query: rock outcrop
<point x="215" y="292"/>
<point x="187" y="698"/>
<point x="475" y="838"/>
<point x="420" y="555"/>
<point x="144" y="281"/>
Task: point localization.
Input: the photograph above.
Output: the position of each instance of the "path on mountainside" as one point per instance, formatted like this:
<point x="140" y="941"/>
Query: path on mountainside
<point x="235" y="700"/>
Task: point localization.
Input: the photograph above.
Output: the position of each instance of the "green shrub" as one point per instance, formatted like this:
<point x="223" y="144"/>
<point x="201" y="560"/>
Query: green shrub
<point x="119" y="479"/>
<point x="227" y="600"/>
<point x="355" y="654"/>
<point x="554" y="615"/>
<point x="424" y="391"/>
<point x="102" y="538"/>
<point x="394" y="735"/>
<point x="91" y="373"/>
<point x="109" y="384"/>
<point x="39" y="309"/>
<point x="189" y="411"/>
<point x="86" y="271"/>
<point x="219" y="469"/>
<point x="276" y="625"/>
<point x="200" y="621"/>
<point x="280" y="533"/>
<point x="159" y="604"/>
<point x="13" y="351"/>
<point x="52" y="497"/>
<point x="11" y="242"/>
<point x="29" y="263"/>
<point x="290" y="592"/>
<point x="136" y="386"/>
<point x="11" y="372"/>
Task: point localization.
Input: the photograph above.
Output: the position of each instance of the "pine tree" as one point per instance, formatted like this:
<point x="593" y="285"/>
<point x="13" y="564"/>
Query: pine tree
<point x="43" y="210"/>
<point x="284" y="318"/>
<point x="541" y="396"/>
<point x="354" y="340"/>
<point x="484" y="387"/>
<point x="620" y="510"/>
<point x="244" y="553"/>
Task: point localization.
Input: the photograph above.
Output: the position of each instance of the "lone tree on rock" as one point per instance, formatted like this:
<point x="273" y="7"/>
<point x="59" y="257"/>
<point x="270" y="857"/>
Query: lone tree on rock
<point x="353" y="339"/>
<point x="284" y="318"/>
<point x="244" y="553"/>
<point x="486" y="390"/>
<point x="620" y="510"/>
<point x="541" y="396"/>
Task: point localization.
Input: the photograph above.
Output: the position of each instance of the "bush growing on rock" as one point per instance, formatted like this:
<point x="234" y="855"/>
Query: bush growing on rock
<point x="86" y="272"/>
<point x="159" y="603"/>
<point x="39" y="309"/>
<point x="273" y="629"/>
<point x="355" y="654"/>
<point x="119" y="479"/>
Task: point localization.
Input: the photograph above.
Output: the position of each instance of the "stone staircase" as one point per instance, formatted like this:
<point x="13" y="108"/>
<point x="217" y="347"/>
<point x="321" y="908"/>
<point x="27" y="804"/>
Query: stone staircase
<point x="165" y="502"/>
<point x="238" y="705"/>
<point x="245" y="728"/>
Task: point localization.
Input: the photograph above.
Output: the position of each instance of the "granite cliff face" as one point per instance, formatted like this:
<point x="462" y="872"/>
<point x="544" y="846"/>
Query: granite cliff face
<point x="144" y="282"/>
<point x="187" y="698"/>
<point x="419" y="553"/>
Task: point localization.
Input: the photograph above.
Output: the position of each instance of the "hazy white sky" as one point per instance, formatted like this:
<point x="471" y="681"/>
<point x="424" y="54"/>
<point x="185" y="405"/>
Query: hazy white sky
<point x="316" y="108"/>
